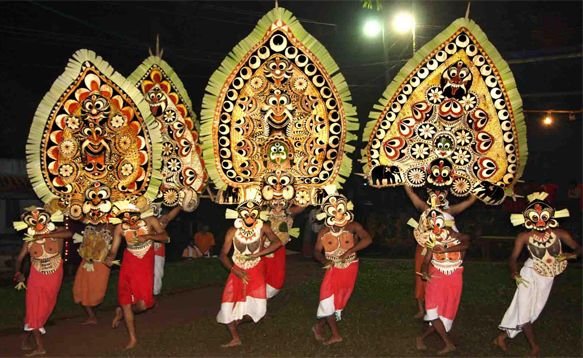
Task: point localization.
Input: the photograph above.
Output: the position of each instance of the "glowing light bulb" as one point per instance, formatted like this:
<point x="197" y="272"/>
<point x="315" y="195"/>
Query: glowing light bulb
<point x="403" y="22"/>
<point x="372" y="28"/>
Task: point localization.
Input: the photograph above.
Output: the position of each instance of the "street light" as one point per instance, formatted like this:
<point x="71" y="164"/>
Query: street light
<point x="372" y="28"/>
<point x="404" y="22"/>
<point x="548" y="120"/>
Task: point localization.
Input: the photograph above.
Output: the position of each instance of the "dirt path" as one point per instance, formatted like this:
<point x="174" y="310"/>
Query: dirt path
<point x="68" y="338"/>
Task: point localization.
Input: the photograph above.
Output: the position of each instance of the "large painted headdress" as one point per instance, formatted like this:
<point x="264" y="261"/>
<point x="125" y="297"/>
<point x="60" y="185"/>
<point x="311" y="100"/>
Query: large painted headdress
<point x="277" y="103"/>
<point x="93" y="141"/>
<point x="451" y="119"/>
<point x="538" y="214"/>
<point x="183" y="169"/>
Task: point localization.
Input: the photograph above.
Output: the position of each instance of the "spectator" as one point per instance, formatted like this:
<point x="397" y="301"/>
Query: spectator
<point x="202" y="244"/>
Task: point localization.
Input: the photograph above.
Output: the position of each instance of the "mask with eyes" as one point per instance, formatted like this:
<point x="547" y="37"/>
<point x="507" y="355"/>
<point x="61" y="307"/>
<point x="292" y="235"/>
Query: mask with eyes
<point x="157" y="100"/>
<point x="37" y="220"/>
<point x="539" y="214"/>
<point x="456" y="80"/>
<point x="444" y="144"/>
<point x="248" y="214"/>
<point x="278" y="69"/>
<point x="440" y="173"/>
<point x="278" y="154"/>
<point x="97" y="204"/>
<point x="437" y="198"/>
<point x="338" y="210"/>
<point x="278" y="187"/>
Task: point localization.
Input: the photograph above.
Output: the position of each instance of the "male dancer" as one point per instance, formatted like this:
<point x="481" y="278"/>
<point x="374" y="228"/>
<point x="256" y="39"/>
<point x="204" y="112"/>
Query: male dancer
<point x="44" y="244"/>
<point x="136" y="276"/>
<point x="340" y="240"/>
<point x="442" y="269"/>
<point x="245" y="290"/>
<point x="535" y="280"/>
<point x="439" y="197"/>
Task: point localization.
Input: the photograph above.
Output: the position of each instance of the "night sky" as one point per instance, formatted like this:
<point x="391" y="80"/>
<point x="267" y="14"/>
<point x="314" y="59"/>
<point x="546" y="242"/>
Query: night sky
<point x="37" y="39"/>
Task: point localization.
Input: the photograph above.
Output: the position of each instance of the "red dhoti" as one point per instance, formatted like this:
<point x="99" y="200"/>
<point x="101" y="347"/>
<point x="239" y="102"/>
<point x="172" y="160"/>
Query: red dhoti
<point x="419" y="283"/>
<point x="275" y="272"/>
<point x="442" y="296"/>
<point x="336" y="289"/>
<point x="41" y="297"/>
<point x="240" y="299"/>
<point x="136" y="279"/>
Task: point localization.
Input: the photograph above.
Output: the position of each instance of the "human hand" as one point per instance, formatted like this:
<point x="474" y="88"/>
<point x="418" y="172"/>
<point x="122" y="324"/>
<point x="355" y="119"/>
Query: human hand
<point x="519" y="280"/>
<point x="143" y="238"/>
<point x="19" y="286"/>
<point x="438" y="248"/>
<point x="565" y="256"/>
<point x="327" y="264"/>
<point x="240" y="274"/>
<point x="18" y="277"/>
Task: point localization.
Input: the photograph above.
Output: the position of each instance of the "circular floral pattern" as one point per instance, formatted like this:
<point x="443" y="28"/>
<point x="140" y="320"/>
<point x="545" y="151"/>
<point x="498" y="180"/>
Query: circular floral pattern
<point x="435" y="95"/>
<point x="463" y="137"/>
<point x="72" y="123"/>
<point x="461" y="186"/>
<point x="169" y="116"/>
<point x="170" y="197"/>
<point x="127" y="169"/>
<point x="117" y="121"/>
<point x="174" y="165"/>
<point x="416" y="177"/>
<point x="66" y="170"/>
<point x="426" y="130"/>
<point x="420" y="150"/>
<point x="469" y="101"/>
<point x="461" y="156"/>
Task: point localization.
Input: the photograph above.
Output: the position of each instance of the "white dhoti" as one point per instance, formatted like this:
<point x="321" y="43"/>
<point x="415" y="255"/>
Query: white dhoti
<point x="158" y="273"/>
<point x="528" y="301"/>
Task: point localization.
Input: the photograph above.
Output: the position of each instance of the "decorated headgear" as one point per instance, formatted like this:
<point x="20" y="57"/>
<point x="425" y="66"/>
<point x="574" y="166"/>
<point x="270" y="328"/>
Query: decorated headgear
<point x="451" y="119"/>
<point x="538" y="214"/>
<point x="93" y="139"/>
<point x="130" y="210"/>
<point x="437" y="198"/>
<point x="336" y="208"/>
<point x="251" y="207"/>
<point x="37" y="220"/>
<point x="183" y="169"/>
<point x="291" y="111"/>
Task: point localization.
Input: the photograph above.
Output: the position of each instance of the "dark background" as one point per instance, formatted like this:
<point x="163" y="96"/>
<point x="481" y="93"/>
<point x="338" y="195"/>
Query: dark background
<point x="541" y="40"/>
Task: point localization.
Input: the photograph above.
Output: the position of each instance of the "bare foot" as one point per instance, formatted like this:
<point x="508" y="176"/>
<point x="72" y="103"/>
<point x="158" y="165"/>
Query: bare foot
<point x="420" y="344"/>
<point x="131" y="344"/>
<point x="317" y="333"/>
<point x="333" y="340"/>
<point x="419" y="315"/>
<point x="90" y="320"/>
<point x="118" y="318"/>
<point x="500" y="342"/>
<point x="233" y="343"/>
<point x="27" y="344"/>
<point x="36" y="352"/>
<point x="447" y="349"/>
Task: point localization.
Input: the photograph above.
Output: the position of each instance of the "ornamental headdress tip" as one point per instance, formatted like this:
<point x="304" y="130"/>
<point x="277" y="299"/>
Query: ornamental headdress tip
<point x="541" y="195"/>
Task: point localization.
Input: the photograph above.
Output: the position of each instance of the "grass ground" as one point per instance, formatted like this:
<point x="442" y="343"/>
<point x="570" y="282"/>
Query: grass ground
<point x="378" y="320"/>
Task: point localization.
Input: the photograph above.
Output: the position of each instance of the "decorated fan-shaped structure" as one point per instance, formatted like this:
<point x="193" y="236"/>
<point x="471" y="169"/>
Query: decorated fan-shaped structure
<point x="277" y="108"/>
<point x="183" y="171"/>
<point x="452" y="118"/>
<point x="93" y="141"/>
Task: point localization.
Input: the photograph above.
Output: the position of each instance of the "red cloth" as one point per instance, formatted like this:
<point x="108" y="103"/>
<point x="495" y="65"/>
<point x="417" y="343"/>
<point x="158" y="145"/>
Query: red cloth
<point x="236" y="291"/>
<point x="275" y="271"/>
<point x="442" y="295"/>
<point x="136" y="279"/>
<point x="419" y="283"/>
<point x="339" y="284"/>
<point x="41" y="297"/>
<point x="159" y="249"/>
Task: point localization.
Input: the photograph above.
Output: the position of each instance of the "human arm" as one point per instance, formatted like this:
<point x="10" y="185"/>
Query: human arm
<point x="425" y="265"/>
<point x="169" y="216"/>
<point x="116" y="241"/>
<point x="521" y="240"/>
<point x="417" y="202"/>
<point x="459" y="207"/>
<point x="364" y="239"/>
<point x="275" y="242"/>
<point x="224" y="256"/>
<point x="567" y="239"/>
<point x="159" y="235"/>
<point x="318" y="247"/>
<point x="18" y="276"/>
<point x="295" y="210"/>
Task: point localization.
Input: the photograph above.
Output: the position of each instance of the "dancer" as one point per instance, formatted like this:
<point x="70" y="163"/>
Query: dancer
<point x="535" y="280"/>
<point x="160" y="250"/>
<point x="340" y="240"/>
<point x="245" y="291"/>
<point x="442" y="270"/>
<point x="92" y="274"/>
<point x="135" y="286"/>
<point x="439" y="197"/>
<point x="44" y="244"/>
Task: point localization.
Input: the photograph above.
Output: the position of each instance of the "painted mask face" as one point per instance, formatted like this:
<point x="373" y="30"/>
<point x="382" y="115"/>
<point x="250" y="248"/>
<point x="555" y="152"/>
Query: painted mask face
<point x="97" y="203"/>
<point x="249" y="212"/>
<point x="539" y="215"/>
<point x="456" y="80"/>
<point x="440" y="173"/>
<point x="278" y="153"/>
<point x="337" y="212"/>
<point x="95" y="108"/>
<point x="156" y="98"/>
<point x="436" y="221"/>
<point x="278" y="69"/>
<point x="278" y="109"/>
<point x="278" y="186"/>
<point x="38" y="221"/>
<point x="444" y="144"/>
<point x="95" y="149"/>
<point x="130" y="218"/>
<point x="439" y="197"/>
